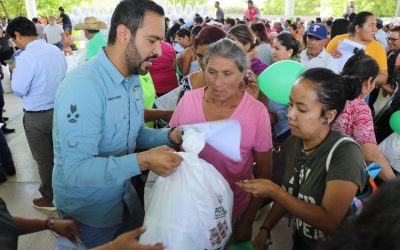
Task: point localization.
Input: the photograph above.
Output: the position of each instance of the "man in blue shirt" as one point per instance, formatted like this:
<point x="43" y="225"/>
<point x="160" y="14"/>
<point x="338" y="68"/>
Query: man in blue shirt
<point x="39" y="69"/>
<point x="98" y="125"/>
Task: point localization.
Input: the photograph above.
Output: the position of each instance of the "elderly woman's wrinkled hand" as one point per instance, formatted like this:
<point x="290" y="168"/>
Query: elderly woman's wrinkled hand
<point x="250" y="84"/>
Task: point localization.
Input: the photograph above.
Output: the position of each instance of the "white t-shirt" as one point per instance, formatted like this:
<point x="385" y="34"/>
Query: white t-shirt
<point x="53" y="33"/>
<point x="324" y="60"/>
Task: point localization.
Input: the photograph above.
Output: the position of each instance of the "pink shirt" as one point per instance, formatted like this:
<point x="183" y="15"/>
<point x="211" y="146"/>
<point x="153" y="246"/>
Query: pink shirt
<point x="163" y="71"/>
<point x="356" y="121"/>
<point x="256" y="136"/>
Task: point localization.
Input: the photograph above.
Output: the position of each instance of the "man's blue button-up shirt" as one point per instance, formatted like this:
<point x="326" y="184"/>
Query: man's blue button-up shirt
<point x="98" y="124"/>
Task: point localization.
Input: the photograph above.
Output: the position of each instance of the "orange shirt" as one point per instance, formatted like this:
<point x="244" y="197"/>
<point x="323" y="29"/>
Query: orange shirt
<point x="373" y="49"/>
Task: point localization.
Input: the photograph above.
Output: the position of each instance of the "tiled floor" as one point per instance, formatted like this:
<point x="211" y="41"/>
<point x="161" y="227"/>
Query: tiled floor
<point x="19" y="191"/>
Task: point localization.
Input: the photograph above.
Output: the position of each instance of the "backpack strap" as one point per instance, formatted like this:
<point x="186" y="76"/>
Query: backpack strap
<point x="329" y="158"/>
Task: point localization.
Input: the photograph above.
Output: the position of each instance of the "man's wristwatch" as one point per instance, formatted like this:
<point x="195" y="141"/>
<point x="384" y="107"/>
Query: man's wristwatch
<point x="49" y="223"/>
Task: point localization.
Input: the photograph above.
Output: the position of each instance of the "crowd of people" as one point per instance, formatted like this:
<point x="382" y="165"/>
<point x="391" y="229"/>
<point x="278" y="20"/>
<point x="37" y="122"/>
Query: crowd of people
<point x="86" y="128"/>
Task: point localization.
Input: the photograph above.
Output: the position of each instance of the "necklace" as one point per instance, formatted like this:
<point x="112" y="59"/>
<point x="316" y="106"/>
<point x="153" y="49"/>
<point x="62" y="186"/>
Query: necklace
<point x="316" y="146"/>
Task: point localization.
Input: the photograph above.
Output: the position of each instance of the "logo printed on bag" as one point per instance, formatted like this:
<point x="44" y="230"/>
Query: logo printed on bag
<point x="220" y="211"/>
<point x="218" y="233"/>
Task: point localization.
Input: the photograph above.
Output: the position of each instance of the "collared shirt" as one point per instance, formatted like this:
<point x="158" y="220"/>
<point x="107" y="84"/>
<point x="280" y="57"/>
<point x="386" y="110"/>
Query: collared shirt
<point x="323" y="60"/>
<point x="98" y="124"/>
<point x="94" y="45"/>
<point x="38" y="72"/>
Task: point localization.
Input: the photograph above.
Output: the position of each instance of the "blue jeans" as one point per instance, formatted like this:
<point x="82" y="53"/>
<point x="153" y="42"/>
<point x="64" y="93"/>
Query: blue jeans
<point x="94" y="237"/>
<point x="59" y="45"/>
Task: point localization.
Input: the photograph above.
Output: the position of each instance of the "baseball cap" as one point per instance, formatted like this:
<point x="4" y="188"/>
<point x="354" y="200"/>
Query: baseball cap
<point x="318" y="30"/>
<point x="379" y="21"/>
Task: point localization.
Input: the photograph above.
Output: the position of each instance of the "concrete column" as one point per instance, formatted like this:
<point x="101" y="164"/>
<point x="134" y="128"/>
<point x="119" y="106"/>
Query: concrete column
<point x="31" y="8"/>
<point x="289" y="8"/>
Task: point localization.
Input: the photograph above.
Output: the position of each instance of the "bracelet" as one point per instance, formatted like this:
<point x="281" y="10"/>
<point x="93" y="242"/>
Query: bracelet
<point x="49" y="223"/>
<point x="169" y="137"/>
<point x="269" y="241"/>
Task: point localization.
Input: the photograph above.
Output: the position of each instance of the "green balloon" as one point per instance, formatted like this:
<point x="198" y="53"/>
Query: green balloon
<point x="277" y="80"/>
<point x="241" y="246"/>
<point x="395" y="121"/>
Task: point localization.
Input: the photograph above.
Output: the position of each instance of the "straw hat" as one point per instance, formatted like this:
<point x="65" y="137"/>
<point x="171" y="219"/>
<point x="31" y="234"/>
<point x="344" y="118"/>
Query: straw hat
<point x="91" y="23"/>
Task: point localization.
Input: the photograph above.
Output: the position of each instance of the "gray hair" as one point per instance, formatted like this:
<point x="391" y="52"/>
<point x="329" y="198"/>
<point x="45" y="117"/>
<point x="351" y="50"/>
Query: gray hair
<point x="228" y="49"/>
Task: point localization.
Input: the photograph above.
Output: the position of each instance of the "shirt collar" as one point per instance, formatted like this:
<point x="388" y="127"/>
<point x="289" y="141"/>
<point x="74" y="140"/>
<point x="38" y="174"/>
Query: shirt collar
<point x="320" y="55"/>
<point x="111" y="70"/>
<point x="34" y="43"/>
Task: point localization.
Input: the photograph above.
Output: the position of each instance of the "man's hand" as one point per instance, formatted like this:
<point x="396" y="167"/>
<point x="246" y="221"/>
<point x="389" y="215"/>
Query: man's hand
<point x="175" y="136"/>
<point x="66" y="228"/>
<point x="162" y="160"/>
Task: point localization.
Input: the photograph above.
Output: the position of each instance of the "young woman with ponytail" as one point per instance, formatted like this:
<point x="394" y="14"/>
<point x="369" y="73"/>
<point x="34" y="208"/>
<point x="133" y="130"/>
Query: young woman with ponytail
<point x="317" y="197"/>
<point x="356" y="119"/>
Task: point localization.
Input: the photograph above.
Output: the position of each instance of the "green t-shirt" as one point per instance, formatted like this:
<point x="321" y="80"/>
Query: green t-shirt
<point x="94" y="44"/>
<point x="347" y="164"/>
<point x="149" y="94"/>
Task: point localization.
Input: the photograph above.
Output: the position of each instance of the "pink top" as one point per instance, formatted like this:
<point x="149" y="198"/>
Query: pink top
<point x="256" y="136"/>
<point x="163" y="71"/>
<point x="356" y="121"/>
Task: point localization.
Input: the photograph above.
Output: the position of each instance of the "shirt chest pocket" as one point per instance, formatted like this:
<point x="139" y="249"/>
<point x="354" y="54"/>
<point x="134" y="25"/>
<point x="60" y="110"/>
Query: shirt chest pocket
<point x="115" y="124"/>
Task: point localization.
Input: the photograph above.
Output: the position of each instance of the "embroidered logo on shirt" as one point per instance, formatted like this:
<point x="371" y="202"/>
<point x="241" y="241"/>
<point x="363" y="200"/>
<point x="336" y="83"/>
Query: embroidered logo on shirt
<point x="73" y="116"/>
<point x="114" y="98"/>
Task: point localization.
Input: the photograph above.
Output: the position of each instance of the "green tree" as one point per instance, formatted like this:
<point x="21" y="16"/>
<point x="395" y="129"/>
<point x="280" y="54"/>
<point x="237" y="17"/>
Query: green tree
<point x="273" y="7"/>
<point x="184" y="2"/>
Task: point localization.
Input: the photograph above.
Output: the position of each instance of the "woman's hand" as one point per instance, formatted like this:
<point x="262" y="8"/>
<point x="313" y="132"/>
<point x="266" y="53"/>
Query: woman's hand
<point x="250" y="84"/>
<point x="66" y="228"/>
<point x="258" y="187"/>
<point x="261" y="239"/>
<point x="336" y="54"/>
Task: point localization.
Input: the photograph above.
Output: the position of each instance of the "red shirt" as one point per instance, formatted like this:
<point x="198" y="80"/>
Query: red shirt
<point x="356" y="121"/>
<point x="163" y="71"/>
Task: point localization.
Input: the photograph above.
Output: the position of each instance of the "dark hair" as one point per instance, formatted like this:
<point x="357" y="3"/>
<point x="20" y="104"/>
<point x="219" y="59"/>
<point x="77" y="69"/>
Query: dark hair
<point x="377" y="227"/>
<point x="379" y="25"/>
<point x="288" y="21"/>
<point x="230" y="21"/>
<point x="351" y="17"/>
<point x="260" y="32"/>
<point x="208" y="35"/>
<point x="23" y="26"/>
<point x="332" y="90"/>
<point x="289" y="42"/>
<point x="196" y="30"/>
<point x="395" y="29"/>
<point x="198" y="19"/>
<point x="318" y="20"/>
<point x="360" y="67"/>
<point x="359" y="20"/>
<point x="294" y="26"/>
<point x="35" y="20"/>
<point x="339" y="27"/>
<point x="61" y="9"/>
<point x="92" y="31"/>
<point x="183" y="32"/>
<point x="328" y="22"/>
<point x="243" y="34"/>
<point x="131" y="14"/>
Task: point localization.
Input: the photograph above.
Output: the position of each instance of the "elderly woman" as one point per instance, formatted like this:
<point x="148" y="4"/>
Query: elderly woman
<point x="207" y="36"/>
<point x="226" y="64"/>
<point x="317" y="197"/>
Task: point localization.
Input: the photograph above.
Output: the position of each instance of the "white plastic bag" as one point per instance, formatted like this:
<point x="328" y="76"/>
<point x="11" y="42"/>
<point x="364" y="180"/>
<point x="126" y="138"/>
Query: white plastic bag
<point x="390" y="147"/>
<point x="190" y="209"/>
